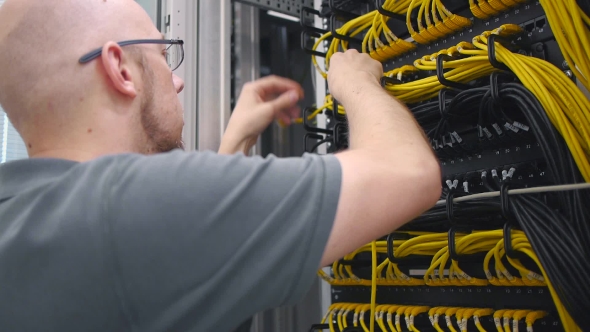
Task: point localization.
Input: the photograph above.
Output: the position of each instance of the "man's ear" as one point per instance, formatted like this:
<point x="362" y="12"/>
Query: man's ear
<point x="116" y="64"/>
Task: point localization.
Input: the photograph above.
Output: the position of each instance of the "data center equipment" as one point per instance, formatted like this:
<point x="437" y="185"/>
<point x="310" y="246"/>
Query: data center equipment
<point x="500" y="88"/>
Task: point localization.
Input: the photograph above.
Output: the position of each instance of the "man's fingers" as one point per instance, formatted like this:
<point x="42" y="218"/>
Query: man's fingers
<point x="284" y="119"/>
<point x="274" y="85"/>
<point x="284" y="102"/>
<point x="294" y="112"/>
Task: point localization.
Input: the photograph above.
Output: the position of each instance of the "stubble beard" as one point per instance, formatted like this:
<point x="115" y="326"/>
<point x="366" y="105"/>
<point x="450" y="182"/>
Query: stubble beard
<point x="158" y="139"/>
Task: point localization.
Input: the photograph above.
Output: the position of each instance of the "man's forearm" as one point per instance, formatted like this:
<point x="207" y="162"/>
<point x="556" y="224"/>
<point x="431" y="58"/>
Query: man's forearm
<point x="232" y="145"/>
<point x="378" y="121"/>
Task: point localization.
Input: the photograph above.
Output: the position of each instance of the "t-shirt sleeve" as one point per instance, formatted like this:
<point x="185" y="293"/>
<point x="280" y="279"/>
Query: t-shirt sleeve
<point x="202" y="241"/>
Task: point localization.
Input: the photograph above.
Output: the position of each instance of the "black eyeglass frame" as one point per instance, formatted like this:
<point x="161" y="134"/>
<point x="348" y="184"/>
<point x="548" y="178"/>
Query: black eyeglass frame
<point x="97" y="52"/>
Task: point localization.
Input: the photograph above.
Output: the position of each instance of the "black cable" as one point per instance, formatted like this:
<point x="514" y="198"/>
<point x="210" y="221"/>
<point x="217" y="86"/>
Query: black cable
<point x="317" y="145"/>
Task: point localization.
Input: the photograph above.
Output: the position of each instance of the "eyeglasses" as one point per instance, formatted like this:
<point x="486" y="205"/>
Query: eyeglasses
<point x="174" y="52"/>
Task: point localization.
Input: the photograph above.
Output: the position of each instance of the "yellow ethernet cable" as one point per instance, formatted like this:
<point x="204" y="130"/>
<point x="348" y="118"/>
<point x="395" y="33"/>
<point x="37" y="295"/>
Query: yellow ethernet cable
<point x="467" y="314"/>
<point x="481" y="313"/>
<point x="400" y="311"/>
<point x="415" y="312"/>
<point x="449" y="316"/>
<point x="518" y="315"/>
<point x="380" y="312"/>
<point x="390" y="322"/>
<point x="532" y="317"/>
<point x="507" y="316"/>
<point x="498" y="319"/>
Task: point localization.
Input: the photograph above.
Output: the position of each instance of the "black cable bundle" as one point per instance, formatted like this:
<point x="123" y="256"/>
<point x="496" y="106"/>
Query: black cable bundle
<point x="561" y="239"/>
<point x="558" y="224"/>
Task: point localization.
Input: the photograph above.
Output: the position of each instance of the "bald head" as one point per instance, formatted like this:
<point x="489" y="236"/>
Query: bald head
<point x="44" y="88"/>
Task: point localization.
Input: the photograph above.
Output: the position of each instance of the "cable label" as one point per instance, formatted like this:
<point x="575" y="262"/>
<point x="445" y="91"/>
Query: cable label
<point x="497" y="128"/>
<point x="453" y="140"/>
<point x="498" y="322"/>
<point x="448" y="319"/>
<point x="507" y="322"/>
<point x="515" y="326"/>
<point x="457" y="137"/>
<point x="487" y="132"/>
<point x="532" y="275"/>
<point x="521" y="126"/>
<point x="511" y="127"/>
<point x="431" y="320"/>
<point x="407" y="319"/>
<point x="466" y="276"/>
<point x="476" y="320"/>
<point x="397" y="319"/>
<point x="389" y="317"/>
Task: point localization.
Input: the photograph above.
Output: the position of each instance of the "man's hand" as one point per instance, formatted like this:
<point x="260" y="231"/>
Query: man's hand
<point x="350" y="73"/>
<point x="260" y="103"/>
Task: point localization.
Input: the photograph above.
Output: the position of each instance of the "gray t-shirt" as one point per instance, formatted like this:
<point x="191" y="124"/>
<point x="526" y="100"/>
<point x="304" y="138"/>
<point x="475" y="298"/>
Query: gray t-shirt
<point x="174" y="242"/>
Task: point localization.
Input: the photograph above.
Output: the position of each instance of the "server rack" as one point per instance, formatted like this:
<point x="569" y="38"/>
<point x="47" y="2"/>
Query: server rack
<point x="485" y="129"/>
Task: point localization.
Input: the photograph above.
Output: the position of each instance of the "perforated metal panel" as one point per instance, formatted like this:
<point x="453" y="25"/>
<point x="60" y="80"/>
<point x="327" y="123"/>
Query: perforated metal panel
<point x="289" y="7"/>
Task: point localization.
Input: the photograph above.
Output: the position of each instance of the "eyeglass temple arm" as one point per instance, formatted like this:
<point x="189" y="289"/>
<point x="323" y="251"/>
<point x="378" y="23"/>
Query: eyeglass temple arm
<point x="96" y="53"/>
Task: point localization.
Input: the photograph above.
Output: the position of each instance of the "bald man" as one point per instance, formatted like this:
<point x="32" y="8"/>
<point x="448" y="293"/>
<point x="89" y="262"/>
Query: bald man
<point x="110" y="226"/>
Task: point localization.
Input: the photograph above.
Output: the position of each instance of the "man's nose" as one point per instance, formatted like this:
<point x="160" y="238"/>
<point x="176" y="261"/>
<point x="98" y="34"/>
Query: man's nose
<point x="178" y="83"/>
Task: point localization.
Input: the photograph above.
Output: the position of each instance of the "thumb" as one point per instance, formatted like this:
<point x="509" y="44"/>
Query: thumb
<point x="284" y="102"/>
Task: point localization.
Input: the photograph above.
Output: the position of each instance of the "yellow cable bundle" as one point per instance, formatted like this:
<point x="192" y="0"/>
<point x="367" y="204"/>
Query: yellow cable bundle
<point x="465" y="244"/>
<point x="314" y="59"/>
<point x="427" y="88"/>
<point x="463" y="70"/>
<point x="379" y="312"/>
<point x="567" y="107"/>
<point x="498" y="5"/>
<point x="506" y="319"/>
<point x="399" y="72"/>
<point x="372" y="43"/>
<point x="374" y="24"/>
<point x="471" y="244"/>
<point x="518" y="315"/>
<point x="477" y="12"/>
<point x="504" y="278"/>
<point x="449" y="313"/>
<point x="328" y="105"/>
<point x="430" y="11"/>
<point x="351" y="28"/>
<point x="486" y="9"/>
<point x="574" y="40"/>
<point x="390" y="320"/>
<point x="567" y="321"/>
<point x="426" y="245"/>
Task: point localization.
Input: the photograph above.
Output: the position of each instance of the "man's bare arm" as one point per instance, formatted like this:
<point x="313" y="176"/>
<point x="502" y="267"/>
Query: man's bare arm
<point x="390" y="174"/>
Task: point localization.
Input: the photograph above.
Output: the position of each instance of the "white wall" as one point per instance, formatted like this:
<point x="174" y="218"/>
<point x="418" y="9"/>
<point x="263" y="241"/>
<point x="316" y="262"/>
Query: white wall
<point x="150" y="6"/>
